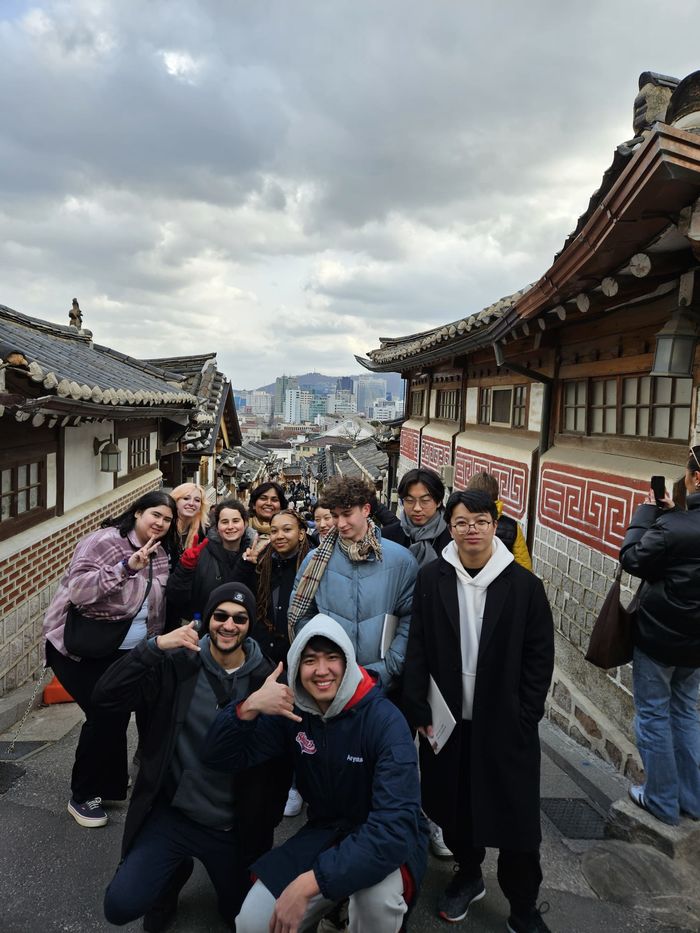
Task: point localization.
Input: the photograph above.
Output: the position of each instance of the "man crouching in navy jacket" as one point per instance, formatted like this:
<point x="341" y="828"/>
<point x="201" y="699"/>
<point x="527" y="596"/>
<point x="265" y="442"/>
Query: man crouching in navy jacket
<point x="355" y="764"/>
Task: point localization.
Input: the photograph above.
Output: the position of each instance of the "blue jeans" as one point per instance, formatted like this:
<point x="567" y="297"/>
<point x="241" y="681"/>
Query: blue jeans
<point x="667" y="726"/>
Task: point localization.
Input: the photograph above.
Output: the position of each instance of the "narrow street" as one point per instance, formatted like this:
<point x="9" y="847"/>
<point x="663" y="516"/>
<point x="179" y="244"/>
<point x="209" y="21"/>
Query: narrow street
<point x="53" y="873"/>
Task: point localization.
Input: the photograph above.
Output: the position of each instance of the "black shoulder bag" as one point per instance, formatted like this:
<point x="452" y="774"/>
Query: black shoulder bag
<point x="98" y="638"/>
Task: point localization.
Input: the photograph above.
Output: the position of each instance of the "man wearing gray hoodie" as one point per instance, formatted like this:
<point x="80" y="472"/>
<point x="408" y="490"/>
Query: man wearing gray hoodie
<point x="482" y="630"/>
<point x="355" y="765"/>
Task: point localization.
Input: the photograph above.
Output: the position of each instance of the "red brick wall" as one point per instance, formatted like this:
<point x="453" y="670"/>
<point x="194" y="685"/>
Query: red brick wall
<point x="24" y="574"/>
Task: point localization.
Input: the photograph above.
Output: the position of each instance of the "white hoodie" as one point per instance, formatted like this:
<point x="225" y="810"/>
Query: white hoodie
<point x="471" y="593"/>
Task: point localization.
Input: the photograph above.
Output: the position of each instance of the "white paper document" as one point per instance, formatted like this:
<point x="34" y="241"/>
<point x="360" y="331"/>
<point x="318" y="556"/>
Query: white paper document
<point x="391" y="623"/>
<point x="443" y="720"/>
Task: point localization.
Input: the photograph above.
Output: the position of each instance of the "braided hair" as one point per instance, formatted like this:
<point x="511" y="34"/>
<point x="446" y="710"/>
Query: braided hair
<point x="264" y="567"/>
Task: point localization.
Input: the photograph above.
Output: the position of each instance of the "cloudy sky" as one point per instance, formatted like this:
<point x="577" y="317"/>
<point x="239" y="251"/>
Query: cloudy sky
<point x="285" y="181"/>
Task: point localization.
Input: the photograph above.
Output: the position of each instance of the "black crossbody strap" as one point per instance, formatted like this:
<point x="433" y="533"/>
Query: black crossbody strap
<point x="223" y="698"/>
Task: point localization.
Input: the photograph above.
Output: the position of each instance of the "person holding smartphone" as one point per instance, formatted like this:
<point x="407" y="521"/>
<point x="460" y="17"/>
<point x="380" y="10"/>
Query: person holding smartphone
<point x="662" y="547"/>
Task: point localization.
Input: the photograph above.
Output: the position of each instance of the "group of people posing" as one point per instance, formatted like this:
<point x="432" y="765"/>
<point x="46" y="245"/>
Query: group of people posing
<point x="271" y="664"/>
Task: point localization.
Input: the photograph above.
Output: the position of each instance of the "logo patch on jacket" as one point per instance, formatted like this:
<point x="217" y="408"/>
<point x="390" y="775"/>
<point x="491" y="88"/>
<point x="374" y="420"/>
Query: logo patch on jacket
<point x="306" y="744"/>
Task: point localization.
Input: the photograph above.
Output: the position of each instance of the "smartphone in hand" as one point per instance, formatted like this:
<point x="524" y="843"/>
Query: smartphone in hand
<point x="658" y="487"/>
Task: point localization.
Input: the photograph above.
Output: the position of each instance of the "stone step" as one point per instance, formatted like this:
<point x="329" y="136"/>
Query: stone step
<point x="628" y="822"/>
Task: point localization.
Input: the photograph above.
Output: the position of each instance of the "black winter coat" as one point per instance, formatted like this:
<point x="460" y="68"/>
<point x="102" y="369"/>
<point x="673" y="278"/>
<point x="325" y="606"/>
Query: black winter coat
<point x="188" y="591"/>
<point x="389" y="523"/>
<point x="163" y="684"/>
<point x="663" y="548"/>
<point x="358" y="773"/>
<point x="514" y="670"/>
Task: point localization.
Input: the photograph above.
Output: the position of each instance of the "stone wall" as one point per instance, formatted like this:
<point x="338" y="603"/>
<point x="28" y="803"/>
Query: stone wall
<point x="594" y="707"/>
<point x="28" y="580"/>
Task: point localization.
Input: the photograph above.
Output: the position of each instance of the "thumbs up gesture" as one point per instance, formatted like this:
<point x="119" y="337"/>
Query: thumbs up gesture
<point x="273" y="699"/>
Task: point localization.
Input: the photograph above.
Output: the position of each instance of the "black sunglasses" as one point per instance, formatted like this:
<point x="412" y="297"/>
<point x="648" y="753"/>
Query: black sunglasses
<point x="220" y="615"/>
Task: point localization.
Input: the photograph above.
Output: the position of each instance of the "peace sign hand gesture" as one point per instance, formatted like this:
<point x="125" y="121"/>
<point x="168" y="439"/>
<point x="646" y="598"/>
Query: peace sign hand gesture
<point x="139" y="559"/>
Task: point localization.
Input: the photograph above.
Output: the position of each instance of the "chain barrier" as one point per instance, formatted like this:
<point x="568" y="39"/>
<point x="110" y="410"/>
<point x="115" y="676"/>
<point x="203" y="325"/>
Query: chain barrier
<point x="27" y="711"/>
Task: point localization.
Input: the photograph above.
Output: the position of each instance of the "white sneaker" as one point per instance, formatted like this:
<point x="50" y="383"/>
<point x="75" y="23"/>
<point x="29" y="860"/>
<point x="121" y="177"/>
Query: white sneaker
<point x="294" y="803"/>
<point x="437" y="843"/>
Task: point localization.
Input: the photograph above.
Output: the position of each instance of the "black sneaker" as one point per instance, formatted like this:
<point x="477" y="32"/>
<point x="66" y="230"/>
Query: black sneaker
<point x="532" y="923"/>
<point x="90" y="813"/>
<point x="159" y="917"/>
<point x="459" y="894"/>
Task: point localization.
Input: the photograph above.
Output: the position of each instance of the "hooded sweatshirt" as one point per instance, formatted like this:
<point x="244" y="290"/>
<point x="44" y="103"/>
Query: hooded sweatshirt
<point x="353" y="677"/>
<point x="471" y="593"/>
<point x="356" y="767"/>
<point x="202" y="794"/>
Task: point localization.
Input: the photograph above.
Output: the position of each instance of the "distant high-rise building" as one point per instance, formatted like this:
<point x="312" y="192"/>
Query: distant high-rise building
<point x="292" y="406"/>
<point x="260" y="403"/>
<point x="368" y="389"/>
<point x="341" y="402"/>
<point x="282" y="383"/>
<point x="344" y="383"/>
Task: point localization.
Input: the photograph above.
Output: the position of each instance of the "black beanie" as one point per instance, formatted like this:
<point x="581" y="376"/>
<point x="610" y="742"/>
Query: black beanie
<point x="229" y="593"/>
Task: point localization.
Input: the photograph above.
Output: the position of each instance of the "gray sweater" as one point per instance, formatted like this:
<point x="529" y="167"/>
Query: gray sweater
<point x="204" y="795"/>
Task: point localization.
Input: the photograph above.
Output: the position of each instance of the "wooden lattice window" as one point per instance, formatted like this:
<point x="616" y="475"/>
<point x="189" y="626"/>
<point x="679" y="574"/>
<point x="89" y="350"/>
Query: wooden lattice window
<point x="447" y="404"/>
<point x="519" y="406"/>
<point x="417" y="402"/>
<point x="630" y="406"/>
<point x="22" y="489"/>
<point x="485" y="406"/>
<point x="139" y="451"/>
<point x="574" y="407"/>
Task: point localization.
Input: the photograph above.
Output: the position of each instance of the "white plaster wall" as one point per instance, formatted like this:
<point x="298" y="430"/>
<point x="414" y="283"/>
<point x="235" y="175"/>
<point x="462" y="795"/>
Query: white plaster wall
<point x="536" y="399"/>
<point x="83" y="480"/>
<point x="123" y="444"/>
<point x="50" y="481"/>
<point x="471" y="414"/>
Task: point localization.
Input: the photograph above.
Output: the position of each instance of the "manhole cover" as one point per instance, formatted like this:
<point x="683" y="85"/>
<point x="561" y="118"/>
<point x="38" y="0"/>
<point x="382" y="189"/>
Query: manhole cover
<point x="574" y="818"/>
<point x="9" y="773"/>
<point x="20" y="751"/>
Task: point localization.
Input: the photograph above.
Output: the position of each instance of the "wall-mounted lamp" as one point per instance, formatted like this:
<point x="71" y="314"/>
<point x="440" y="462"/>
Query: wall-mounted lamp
<point x="110" y="454"/>
<point x="675" y="345"/>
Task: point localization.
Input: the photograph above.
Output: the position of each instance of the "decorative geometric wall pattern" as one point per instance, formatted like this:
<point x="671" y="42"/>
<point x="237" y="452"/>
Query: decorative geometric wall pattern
<point x="593" y="508"/>
<point x="513" y="477"/>
<point x="434" y="453"/>
<point x="410" y="443"/>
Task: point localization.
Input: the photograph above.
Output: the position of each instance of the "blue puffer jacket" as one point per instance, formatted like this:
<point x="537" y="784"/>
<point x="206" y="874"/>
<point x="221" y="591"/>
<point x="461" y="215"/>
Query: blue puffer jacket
<point x="358" y="594"/>
<point x="356" y="768"/>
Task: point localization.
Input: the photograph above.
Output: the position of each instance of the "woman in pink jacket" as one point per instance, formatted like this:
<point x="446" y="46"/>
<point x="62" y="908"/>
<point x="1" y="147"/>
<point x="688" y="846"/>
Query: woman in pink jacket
<point x="116" y="573"/>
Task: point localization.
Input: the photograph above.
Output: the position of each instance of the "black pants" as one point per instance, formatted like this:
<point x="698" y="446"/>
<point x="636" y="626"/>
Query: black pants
<point x="163" y="842"/>
<point x="101" y="766"/>
<point x="519" y="873"/>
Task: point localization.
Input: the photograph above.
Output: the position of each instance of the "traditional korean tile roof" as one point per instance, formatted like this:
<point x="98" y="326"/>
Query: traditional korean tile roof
<point x="245" y="462"/>
<point x="465" y="333"/>
<point x="201" y="377"/>
<point x="365" y="460"/>
<point x="67" y="363"/>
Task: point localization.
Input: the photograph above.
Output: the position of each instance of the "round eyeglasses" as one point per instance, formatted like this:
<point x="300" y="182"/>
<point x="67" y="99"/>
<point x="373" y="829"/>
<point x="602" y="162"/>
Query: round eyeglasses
<point x="462" y="527"/>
